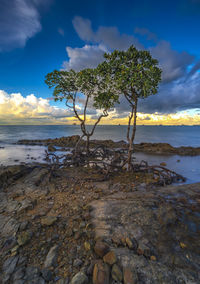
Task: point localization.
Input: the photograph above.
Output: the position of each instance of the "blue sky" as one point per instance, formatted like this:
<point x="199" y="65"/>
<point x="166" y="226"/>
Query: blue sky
<point x="38" y="36"/>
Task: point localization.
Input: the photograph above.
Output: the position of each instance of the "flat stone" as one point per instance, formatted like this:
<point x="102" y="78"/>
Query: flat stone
<point x="51" y="257"/>
<point x="48" y="220"/>
<point x="79" y="278"/>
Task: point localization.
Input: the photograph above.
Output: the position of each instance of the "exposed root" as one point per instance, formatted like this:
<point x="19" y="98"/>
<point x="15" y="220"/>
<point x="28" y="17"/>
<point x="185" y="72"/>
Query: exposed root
<point x="107" y="161"/>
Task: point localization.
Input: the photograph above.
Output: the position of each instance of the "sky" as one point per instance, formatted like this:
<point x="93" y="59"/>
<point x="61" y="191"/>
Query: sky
<point x="39" y="36"/>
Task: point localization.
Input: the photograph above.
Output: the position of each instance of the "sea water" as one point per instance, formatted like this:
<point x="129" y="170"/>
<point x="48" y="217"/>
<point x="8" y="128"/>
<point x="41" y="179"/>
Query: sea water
<point x="10" y="153"/>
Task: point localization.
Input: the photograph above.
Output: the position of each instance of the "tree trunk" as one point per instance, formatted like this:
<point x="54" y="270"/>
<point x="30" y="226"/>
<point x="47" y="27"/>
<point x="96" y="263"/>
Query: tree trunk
<point x="88" y="145"/>
<point x="131" y="140"/>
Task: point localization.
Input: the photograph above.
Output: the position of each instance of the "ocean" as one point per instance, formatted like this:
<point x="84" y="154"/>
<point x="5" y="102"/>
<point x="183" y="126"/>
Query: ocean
<point x="174" y="135"/>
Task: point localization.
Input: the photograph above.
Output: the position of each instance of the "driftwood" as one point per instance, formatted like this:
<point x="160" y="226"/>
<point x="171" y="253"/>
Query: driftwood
<point x="108" y="161"/>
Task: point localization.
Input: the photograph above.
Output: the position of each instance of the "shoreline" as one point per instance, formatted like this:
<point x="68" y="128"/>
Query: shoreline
<point x="151" y="148"/>
<point x="59" y="230"/>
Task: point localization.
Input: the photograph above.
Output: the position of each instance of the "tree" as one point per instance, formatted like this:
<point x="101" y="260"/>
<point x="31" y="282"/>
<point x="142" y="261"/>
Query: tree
<point x="136" y="75"/>
<point x="88" y="86"/>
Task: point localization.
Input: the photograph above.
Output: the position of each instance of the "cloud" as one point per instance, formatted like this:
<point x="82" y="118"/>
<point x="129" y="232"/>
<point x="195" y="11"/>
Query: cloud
<point x="174" y="64"/>
<point x="89" y="56"/>
<point x="16" y="108"/>
<point x="174" y="97"/>
<point x="108" y="36"/>
<point x="145" y="32"/>
<point x="180" y="85"/>
<point x="194" y="69"/>
<point x="19" y="21"/>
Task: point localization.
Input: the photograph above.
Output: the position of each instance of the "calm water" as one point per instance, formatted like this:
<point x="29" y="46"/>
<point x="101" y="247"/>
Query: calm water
<point x="174" y="135"/>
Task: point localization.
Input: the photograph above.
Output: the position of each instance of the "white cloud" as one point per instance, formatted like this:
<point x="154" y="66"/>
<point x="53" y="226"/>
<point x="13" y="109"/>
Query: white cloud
<point x="89" y="56"/>
<point x="16" y="108"/>
<point x="19" y="21"/>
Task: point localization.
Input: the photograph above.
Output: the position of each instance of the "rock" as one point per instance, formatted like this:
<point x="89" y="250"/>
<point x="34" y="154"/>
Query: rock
<point x="87" y="246"/>
<point x="79" y="278"/>
<point x="51" y="257"/>
<point x="143" y="250"/>
<point x="23" y="238"/>
<point x="110" y="258"/>
<point x="130" y="276"/>
<point x="101" y="248"/>
<point x="48" y="220"/>
<point x="116" y="273"/>
<point x="90" y="268"/>
<point x="51" y="148"/>
<point x="77" y="262"/>
<point x="23" y="225"/>
<point x="19" y="274"/>
<point x="9" y="267"/>
<point x="32" y="272"/>
<point x="47" y="274"/>
<point x="8" y="226"/>
<point x="63" y="281"/>
<point x="38" y="280"/>
<point x="101" y="273"/>
<point x="129" y="243"/>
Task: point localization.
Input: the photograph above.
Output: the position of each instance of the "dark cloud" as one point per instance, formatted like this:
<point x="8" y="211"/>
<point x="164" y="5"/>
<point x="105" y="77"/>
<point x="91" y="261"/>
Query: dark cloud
<point x="179" y="89"/>
<point x="146" y="32"/>
<point x="108" y="36"/>
<point x="19" y="21"/>
<point x="174" y="97"/>
<point x="174" y="64"/>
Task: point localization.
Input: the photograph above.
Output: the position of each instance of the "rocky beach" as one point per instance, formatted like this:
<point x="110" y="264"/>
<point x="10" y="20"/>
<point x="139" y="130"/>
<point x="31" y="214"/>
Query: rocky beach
<point x="72" y="226"/>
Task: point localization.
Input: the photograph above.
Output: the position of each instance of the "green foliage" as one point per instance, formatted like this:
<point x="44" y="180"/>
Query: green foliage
<point x="93" y="83"/>
<point x="64" y="84"/>
<point x="135" y="72"/>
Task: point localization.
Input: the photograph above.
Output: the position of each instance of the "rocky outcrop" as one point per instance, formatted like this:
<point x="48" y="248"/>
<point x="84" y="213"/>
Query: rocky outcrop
<point x="153" y="234"/>
<point x="154" y="148"/>
<point x="71" y="230"/>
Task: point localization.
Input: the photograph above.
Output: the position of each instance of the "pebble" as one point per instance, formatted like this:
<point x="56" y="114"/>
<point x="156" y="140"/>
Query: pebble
<point x="101" y="273"/>
<point x="79" y="278"/>
<point x="51" y="257"/>
<point x="110" y="258"/>
<point x="101" y="248"/>
<point x="48" y="220"/>
<point x="77" y="262"/>
<point x="116" y="273"/>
